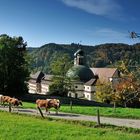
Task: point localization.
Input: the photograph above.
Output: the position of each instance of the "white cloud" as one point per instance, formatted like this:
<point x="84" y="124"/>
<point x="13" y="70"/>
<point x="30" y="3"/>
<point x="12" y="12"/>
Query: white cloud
<point x="108" y="8"/>
<point x="107" y="34"/>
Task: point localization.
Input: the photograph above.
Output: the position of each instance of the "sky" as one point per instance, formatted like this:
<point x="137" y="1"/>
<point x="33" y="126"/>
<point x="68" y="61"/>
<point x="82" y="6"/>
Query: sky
<point x="88" y="22"/>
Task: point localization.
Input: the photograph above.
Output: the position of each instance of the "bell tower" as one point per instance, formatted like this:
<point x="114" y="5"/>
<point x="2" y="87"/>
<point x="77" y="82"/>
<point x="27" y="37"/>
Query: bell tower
<point x="79" y="57"/>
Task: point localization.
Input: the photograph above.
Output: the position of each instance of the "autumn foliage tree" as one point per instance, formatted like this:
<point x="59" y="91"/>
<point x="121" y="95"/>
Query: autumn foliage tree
<point x="107" y="94"/>
<point x="104" y="92"/>
<point x="128" y="88"/>
<point x="125" y="93"/>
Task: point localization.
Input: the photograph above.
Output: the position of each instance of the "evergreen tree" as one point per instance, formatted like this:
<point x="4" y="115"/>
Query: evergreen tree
<point x="13" y="66"/>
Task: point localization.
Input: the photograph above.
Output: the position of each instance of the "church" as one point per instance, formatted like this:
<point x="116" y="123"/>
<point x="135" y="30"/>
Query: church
<point x="84" y="79"/>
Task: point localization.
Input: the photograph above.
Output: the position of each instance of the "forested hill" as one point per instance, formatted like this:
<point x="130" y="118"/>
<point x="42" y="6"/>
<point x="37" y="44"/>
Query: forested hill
<point x="102" y="55"/>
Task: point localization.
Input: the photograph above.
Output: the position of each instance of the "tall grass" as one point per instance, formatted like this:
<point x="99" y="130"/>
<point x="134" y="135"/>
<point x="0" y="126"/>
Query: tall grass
<point x="104" y="111"/>
<point x="21" y="127"/>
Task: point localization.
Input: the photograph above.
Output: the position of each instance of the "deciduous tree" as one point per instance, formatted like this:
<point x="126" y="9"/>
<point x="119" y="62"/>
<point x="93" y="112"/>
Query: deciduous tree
<point x="59" y="67"/>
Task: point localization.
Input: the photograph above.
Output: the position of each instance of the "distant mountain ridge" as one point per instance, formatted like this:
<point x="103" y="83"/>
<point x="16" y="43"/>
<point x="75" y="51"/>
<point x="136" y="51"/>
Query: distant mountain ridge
<point x="103" y="55"/>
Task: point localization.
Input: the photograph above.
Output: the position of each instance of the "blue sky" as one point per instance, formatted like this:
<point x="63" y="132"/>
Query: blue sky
<point x="89" y="22"/>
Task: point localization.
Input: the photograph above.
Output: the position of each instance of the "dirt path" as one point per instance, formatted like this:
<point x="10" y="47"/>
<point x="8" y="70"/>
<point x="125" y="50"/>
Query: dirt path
<point x="105" y="120"/>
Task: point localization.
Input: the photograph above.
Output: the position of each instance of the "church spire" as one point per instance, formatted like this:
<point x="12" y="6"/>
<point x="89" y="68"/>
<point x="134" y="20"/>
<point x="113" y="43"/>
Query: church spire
<point x="79" y="57"/>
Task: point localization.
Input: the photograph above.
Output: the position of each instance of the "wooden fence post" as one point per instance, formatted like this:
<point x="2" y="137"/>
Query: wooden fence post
<point x="10" y="108"/>
<point x="98" y="117"/>
<point x="40" y="112"/>
<point x="71" y="105"/>
<point x="114" y="107"/>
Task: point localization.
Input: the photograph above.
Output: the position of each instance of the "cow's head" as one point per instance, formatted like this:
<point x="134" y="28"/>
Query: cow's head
<point x="20" y="102"/>
<point x="56" y="103"/>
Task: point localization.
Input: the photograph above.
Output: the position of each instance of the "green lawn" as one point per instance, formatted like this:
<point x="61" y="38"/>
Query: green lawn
<point x="22" y="127"/>
<point x="104" y="111"/>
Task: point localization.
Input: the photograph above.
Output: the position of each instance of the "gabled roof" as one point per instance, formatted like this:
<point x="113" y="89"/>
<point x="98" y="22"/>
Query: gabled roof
<point x="40" y="76"/>
<point x="48" y="77"/>
<point x="37" y="76"/>
<point x="91" y="82"/>
<point x="104" y="73"/>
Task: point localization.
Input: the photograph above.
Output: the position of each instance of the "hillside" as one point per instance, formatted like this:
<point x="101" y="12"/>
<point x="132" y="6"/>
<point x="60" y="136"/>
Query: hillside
<point x="104" y="55"/>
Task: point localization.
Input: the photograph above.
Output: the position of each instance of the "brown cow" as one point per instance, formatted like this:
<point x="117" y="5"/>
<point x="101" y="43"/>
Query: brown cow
<point x="11" y="101"/>
<point x="15" y="102"/>
<point x="5" y="99"/>
<point x="48" y="103"/>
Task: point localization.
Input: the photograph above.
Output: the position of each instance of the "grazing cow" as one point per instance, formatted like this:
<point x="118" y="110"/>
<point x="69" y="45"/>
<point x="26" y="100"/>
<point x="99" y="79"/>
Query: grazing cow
<point x="11" y="101"/>
<point x="54" y="103"/>
<point x="15" y="102"/>
<point x="5" y="99"/>
<point x="48" y="103"/>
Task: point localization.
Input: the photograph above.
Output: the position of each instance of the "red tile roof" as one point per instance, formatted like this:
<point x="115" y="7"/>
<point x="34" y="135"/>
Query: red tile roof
<point x="104" y="73"/>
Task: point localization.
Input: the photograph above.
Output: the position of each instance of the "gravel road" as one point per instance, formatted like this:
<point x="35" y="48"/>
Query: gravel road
<point x="104" y="120"/>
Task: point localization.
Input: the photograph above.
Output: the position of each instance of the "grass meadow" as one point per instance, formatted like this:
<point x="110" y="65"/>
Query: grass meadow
<point x="104" y="111"/>
<point x="24" y="127"/>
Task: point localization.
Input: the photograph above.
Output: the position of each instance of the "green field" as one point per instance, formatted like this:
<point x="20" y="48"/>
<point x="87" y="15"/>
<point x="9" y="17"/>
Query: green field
<point x="104" y="111"/>
<point x="23" y="127"/>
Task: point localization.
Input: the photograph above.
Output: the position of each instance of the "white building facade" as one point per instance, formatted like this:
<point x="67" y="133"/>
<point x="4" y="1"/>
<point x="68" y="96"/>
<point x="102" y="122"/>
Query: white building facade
<point x="84" y="79"/>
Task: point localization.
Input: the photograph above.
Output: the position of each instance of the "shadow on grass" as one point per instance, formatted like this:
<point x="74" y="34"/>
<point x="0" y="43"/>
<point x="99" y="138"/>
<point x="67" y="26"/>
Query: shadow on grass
<point x="64" y="115"/>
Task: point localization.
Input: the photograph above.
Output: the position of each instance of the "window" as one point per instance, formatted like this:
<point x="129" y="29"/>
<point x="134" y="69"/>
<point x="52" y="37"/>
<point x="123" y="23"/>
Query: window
<point x="86" y="87"/>
<point x="76" y="95"/>
<point x="69" y="94"/>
